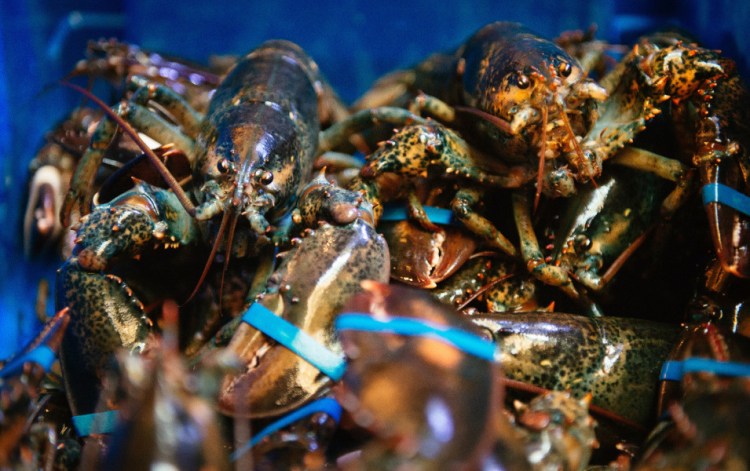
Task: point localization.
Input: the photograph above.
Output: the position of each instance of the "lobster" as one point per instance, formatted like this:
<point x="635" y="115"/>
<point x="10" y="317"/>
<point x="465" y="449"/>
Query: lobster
<point x="251" y="156"/>
<point x="703" y="392"/>
<point x="534" y="101"/>
<point x="255" y="147"/>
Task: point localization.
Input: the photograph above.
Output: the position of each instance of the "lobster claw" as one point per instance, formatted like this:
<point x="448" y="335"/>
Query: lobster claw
<point x="286" y="343"/>
<point x="728" y="211"/>
<point x="422" y="258"/>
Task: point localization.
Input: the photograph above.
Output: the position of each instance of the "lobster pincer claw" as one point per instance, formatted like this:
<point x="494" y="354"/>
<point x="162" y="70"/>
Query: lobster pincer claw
<point x="411" y="359"/>
<point x="302" y="298"/>
<point x="104" y="317"/>
<point x="106" y="314"/>
<point x="728" y="212"/>
<point x="721" y="142"/>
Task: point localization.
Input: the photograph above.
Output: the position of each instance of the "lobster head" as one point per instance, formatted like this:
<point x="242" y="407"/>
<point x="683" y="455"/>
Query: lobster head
<point x="513" y="74"/>
<point x="251" y="165"/>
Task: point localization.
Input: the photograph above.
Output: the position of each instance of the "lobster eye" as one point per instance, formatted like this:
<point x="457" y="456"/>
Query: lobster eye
<point x="223" y="166"/>
<point x="522" y="81"/>
<point x="264" y="177"/>
<point x="565" y="69"/>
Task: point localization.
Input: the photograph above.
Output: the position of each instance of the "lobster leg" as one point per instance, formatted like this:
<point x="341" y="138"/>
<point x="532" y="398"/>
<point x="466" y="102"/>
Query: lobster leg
<point x="145" y="92"/>
<point x="144" y="121"/>
<point x="418" y="213"/>
<point x="535" y="262"/>
<point x="105" y="317"/>
<point x="669" y="169"/>
<point x="338" y="134"/>
<point x="463" y="203"/>
<point x="415" y="148"/>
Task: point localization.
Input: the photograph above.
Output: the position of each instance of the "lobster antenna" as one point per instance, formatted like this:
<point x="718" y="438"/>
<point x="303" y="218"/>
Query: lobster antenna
<point x="174" y="185"/>
<point x="483" y="290"/>
<point x="500" y="123"/>
<point x="574" y="141"/>
<point x="542" y="151"/>
<point x="228" y="249"/>
<point x="214" y="249"/>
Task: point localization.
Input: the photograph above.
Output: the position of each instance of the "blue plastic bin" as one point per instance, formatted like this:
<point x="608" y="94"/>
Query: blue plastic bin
<point x="354" y="41"/>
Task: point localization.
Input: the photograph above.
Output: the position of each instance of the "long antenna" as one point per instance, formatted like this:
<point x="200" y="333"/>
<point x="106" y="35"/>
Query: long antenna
<point x="174" y="185"/>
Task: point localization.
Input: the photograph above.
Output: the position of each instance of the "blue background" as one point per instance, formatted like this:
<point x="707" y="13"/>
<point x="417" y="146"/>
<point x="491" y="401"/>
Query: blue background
<point x="354" y="42"/>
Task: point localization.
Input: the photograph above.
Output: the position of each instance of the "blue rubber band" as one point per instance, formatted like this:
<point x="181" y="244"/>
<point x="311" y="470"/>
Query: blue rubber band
<point x="301" y="343"/>
<point x="718" y="193"/>
<point x="674" y="370"/>
<point x="397" y="212"/>
<point x="326" y="405"/>
<point x="461" y="339"/>
<point x="42" y="355"/>
<point x="96" y="423"/>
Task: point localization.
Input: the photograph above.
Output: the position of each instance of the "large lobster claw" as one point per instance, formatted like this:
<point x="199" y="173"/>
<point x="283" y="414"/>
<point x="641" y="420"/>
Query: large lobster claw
<point x="728" y="212"/>
<point x="424" y="258"/>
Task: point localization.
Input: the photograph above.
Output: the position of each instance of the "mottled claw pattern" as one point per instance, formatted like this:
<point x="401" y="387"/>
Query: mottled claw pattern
<point x="505" y="109"/>
<point x="646" y="78"/>
<point x="163" y="417"/>
<point x="583" y="355"/>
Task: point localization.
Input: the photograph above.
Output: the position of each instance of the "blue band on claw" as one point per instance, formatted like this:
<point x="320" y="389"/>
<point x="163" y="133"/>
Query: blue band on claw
<point x="718" y="193"/>
<point x="461" y="339"/>
<point x="42" y="355"/>
<point x="326" y="405"/>
<point x="301" y="343"/>
<point x="397" y="212"/>
<point x="674" y="370"/>
<point x="99" y="422"/>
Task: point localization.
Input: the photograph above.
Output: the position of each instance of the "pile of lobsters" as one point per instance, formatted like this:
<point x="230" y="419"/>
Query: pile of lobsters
<point x="520" y="254"/>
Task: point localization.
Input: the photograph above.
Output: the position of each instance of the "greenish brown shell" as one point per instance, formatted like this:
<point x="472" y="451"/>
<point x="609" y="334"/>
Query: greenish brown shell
<point x="105" y="317"/>
<point x="618" y="360"/>
<point x="308" y="289"/>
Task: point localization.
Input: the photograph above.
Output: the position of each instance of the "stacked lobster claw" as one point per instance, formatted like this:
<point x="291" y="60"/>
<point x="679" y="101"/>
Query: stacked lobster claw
<point x="215" y="188"/>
